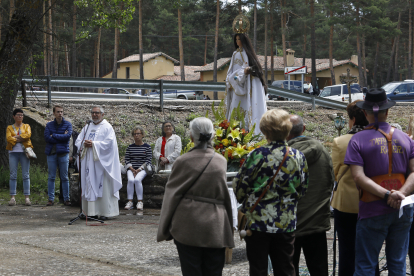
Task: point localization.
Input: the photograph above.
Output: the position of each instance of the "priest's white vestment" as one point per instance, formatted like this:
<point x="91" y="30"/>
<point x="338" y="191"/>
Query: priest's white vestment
<point x="246" y="90"/>
<point x="100" y="172"/>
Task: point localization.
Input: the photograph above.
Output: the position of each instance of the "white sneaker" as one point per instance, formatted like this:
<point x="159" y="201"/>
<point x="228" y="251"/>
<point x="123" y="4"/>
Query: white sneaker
<point x="140" y="205"/>
<point x="129" y="205"/>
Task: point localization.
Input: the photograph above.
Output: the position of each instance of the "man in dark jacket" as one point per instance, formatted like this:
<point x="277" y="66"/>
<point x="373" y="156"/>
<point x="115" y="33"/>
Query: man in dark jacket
<point x="57" y="135"/>
<point x="313" y="209"/>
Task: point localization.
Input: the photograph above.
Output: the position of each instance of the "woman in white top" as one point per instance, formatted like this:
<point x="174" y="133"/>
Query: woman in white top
<point x="167" y="148"/>
<point x="245" y="83"/>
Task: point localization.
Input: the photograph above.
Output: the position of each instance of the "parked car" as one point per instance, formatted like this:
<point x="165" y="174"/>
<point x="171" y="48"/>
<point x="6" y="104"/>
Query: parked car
<point x="339" y="92"/>
<point x="294" y="86"/>
<point x="119" y="90"/>
<point x="400" y="91"/>
<point x="174" y="94"/>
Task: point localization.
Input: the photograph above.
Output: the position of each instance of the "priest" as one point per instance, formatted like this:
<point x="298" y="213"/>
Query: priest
<point x="100" y="167"/>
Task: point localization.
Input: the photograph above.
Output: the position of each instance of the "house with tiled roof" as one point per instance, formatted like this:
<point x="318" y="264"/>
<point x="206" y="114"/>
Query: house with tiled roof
<point x="323" y="73"/>
<point x="189" y="71"/>
<point x="155" y="66"/>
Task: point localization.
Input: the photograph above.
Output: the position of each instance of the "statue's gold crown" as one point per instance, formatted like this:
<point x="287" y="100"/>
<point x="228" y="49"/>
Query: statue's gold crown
<point x="241" y="24"/>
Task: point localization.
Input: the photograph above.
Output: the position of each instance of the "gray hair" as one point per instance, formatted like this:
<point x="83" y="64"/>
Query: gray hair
<point x="201" y="125"/>
<point x="98" y="106"/>
<point x="297" y="126"/>
<point x="397" y="126"/>
<point x="138" y="128"/>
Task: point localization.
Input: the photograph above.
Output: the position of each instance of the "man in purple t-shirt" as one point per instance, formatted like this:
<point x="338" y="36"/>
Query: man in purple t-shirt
<point x="367" y="155"/>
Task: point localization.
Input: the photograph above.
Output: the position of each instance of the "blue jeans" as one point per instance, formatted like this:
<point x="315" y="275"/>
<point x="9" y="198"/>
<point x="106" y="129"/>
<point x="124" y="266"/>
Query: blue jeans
<point x="14" y="159"/>
<point x="370" y="236"/>
<point x="63" y="162"/>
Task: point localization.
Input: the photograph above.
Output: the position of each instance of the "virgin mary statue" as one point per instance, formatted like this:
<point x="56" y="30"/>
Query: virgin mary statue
<point x="245" y="83"/>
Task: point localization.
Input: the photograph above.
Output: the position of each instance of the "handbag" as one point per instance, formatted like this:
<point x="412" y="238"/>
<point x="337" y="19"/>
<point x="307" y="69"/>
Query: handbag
<point x="149" y="169"/>
<point x="27" y="151"/>
<point x="241" y="217"/>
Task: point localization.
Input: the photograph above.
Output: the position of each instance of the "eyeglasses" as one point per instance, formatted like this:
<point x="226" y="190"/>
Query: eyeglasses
<point x="137" y="134"/>
<point x="95" y="113"/>
<point x="19" y="115"/>
<point x="168" y="126"/>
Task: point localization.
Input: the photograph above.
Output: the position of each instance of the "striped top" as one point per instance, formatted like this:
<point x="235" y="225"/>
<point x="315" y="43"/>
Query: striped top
<point x="138" y="155"/>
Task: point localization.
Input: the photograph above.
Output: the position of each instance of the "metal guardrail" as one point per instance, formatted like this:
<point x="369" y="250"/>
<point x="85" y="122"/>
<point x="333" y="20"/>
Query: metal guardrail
<point x="161" y="85"/>
<point x="80" y="95"/>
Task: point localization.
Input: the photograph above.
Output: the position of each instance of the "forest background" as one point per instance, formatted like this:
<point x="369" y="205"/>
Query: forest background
<point x="73" y="44"/>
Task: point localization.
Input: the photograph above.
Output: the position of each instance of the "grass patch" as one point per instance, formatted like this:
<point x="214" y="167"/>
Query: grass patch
<point x="311" y="127"/>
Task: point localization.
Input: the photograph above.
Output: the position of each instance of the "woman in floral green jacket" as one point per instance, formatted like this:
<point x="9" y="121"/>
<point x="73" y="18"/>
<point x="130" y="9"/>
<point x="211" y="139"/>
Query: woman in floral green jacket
<point x="273" y="221"/>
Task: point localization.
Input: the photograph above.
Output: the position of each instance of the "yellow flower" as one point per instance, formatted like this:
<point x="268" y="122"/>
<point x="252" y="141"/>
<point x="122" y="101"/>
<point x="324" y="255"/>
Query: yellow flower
<point x="225" y="142"/>
<point x="234" y="133"/>
<point x="219" y="132"/>
<point x="239" y="152"/>
<point x="250" y="148"/>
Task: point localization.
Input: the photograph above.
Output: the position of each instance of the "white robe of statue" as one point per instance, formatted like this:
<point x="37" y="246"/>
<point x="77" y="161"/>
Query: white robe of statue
<point x="246" y="90"/>
<point x="100" y="172"/>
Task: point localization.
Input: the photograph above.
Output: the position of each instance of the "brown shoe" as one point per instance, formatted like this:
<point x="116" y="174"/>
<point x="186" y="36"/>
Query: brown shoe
<point x="67" y="203"/>
<point x="50" y="203"/>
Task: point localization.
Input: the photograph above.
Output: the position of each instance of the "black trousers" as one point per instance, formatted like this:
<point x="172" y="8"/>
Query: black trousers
<point x="315" y="249"/>
<point x="278" y="246"/>
<point x="345" y="226"/>
<point x="200" y="261"/>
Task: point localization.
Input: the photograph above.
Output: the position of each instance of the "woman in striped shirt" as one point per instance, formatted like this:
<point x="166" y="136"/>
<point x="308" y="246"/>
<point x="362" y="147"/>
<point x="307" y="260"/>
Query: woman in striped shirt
<point x="136" y="156"/>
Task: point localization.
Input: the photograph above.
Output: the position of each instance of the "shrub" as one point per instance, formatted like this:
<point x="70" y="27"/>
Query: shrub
<point x="38" y="178"/>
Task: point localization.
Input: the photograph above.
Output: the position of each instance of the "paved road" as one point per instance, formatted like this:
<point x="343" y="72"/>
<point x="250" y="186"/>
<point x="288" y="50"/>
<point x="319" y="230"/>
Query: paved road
<point x="37" y="240"/>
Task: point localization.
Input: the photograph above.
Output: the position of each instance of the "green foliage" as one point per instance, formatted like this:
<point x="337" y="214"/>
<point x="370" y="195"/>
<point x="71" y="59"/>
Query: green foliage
<point x="192" y="116"/>
<point x="311" y="127"/>
<point x="107" y="14"/>
<point x="219" y="112"/>
<point x="38" y="178"/>
<point x="311" y="114"/>
<point x="181" y="131"/>
<point x="122" y="148"/>
<point x="123" y="132"/>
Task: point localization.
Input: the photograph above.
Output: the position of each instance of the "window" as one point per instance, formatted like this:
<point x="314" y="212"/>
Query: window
<point x="127" y="72"/>
<point x="336" y="91"/>
<point x="401" y="89"/>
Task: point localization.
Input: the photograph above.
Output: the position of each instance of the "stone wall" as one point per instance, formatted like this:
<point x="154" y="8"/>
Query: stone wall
<point x="154" y="188"/>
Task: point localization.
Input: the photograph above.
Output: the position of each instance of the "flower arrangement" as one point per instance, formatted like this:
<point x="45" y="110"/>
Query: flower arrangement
<point x="232" y="140"/>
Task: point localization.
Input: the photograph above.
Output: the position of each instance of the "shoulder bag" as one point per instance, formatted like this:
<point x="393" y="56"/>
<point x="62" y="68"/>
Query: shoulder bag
<point x="241" y="217"/>
<point x="28" y="151"/>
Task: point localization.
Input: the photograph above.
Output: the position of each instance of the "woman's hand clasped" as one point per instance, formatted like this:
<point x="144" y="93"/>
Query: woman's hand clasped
<point x="163" y="161"/>
<point x="18" y="139"/>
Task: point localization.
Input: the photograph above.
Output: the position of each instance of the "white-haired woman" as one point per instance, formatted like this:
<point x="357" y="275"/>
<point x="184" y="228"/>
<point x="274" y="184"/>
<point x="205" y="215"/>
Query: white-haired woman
<point x="136" y="155"/>
<point x="196" y="211"/>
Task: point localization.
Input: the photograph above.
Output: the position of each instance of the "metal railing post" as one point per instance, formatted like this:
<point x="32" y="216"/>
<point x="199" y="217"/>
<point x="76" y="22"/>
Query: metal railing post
<point x="24" y="98"/>
<point x="161" y="96"/>
<point x="49" y="93"/>
<point x="313" y="103"/>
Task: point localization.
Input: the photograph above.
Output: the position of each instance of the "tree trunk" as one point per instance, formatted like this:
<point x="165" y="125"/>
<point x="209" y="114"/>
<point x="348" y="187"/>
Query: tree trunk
<point x="254" y="28"/>
<point x="50" y="32"/>
<point x="265" y="46"/>
<point x="205" y="51"/>
<point x="391" y="61"/>
<point x="141" y="48"/>
<point x="1" y="21"/>
<point x="410" y="40"/>
<point x="215" y="95"/>
<point x="45" y="50"/>
<point x="115" y="64"/>
<point x="304" y="39"/>
<point x="11" y="9"/>
<point x="74" y="67"/>
<point x="239" y="4"/>
<point x="331" y="46"/>
<point x="283" y="23"/>
<point x="364" y="61"/>
<point x="98" y="49"/>
<point x="272" y="72"/>
<point x="14" y="56"/>
<point x="360" y="65"/>
<point x="375" y="84"/>
<point x="180" y="45"/>
<point x="397" y="39"/>
<point x="313" y="44"/>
